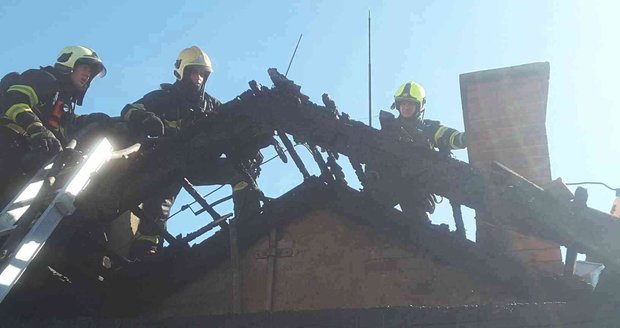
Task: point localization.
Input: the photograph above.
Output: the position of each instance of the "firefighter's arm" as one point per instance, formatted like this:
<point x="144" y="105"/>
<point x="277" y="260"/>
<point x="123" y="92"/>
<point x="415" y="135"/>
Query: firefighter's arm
<point x="21" y="100"/>
<point x="21" y="114"/>
<point x="138" y="117"/>
<point x="444" y="137"/>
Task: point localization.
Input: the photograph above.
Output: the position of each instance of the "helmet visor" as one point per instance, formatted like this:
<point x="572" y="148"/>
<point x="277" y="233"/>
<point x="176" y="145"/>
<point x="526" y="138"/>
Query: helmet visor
<point x="202" y="70"/>
<point x="400" y="100"/>
<point x="98" y="69"/>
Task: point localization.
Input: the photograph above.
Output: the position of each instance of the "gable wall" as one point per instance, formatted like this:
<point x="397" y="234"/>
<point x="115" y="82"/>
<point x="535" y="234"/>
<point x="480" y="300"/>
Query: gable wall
<point x="335" y="263"/>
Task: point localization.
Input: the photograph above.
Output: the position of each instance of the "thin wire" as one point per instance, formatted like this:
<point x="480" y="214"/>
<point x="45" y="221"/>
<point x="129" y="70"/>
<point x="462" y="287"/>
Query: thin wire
<point x="592" y="183"/>
<point x="272" y="158"/>
<point x="186" y="206"/>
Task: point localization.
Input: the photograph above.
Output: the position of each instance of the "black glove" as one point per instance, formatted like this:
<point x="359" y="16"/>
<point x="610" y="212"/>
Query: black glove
<point x="100" y="118"/>
<point x="152" y="125"/>
<point x="42" y="139"/>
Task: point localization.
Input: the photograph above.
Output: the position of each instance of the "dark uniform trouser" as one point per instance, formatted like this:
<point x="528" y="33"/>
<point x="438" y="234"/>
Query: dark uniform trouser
<point x="413" y="202"/>
<point x="157" y="207"/>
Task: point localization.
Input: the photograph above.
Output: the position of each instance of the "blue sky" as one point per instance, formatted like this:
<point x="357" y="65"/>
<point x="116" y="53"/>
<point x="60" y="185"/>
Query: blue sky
<point x="431" y="42"/>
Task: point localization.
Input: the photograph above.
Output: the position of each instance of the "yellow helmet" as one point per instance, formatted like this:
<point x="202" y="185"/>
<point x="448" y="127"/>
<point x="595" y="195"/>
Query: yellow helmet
<point x="411" y="91"/>
<point x="191" y="57"/>
<point x="72" y="55"/>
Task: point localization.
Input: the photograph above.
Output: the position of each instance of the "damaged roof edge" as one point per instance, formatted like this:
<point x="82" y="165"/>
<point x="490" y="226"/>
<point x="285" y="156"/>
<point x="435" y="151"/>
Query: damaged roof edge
<point x="314" y="194"/>
<point x="279" y="211"/>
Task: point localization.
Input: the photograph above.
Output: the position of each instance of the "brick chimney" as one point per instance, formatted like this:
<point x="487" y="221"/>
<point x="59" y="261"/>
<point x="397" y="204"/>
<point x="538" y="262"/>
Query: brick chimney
<point x="504" y="111"/>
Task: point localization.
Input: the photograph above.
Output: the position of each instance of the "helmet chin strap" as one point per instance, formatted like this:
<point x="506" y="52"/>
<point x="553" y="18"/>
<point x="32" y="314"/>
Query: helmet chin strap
<point x="198" y="92"/>
<point x="202" y="90"/>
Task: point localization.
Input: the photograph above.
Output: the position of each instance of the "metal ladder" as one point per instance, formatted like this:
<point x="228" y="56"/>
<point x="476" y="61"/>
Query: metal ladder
<point x="30" y="218"/>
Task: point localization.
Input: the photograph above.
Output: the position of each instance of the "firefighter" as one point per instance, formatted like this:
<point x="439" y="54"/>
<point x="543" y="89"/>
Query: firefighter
<point x="165" y="112"/>
<point x="37" y="113"/>
<point x="410" y="101"/>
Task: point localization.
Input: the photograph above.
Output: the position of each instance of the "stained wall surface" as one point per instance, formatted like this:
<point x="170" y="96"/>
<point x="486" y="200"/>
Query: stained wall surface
<point x="327" y="261"/>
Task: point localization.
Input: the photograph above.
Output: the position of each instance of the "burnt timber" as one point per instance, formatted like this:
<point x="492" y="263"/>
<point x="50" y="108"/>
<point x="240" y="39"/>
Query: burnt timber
<point x="252" y="118"/>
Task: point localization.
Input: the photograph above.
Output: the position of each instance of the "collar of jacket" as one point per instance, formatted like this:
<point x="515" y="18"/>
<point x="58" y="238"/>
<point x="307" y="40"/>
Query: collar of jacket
<point x="188" y="91"/>
<point x="413" y="121"/>
<point x="65" y="86"/>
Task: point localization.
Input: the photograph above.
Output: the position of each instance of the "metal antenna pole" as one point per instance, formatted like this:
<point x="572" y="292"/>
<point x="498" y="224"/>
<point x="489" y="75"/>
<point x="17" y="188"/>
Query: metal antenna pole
<point x="369" y="78"/>
<point x="293" y="56"/>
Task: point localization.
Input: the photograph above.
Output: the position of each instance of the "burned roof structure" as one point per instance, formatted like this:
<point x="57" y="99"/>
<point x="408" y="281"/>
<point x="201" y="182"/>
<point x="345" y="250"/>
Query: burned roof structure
<point x="327" y="254"/>
<point x="324" y="253"/>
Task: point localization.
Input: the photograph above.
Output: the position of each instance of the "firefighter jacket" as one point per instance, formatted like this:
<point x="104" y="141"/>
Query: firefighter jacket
<point x="173" y="104"/>
<point x="382" y="183"/>
<point x="437" y="135"/>
<point x="38" y="97"/>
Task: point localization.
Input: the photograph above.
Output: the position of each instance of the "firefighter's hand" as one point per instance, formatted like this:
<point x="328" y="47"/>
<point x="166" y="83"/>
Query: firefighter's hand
<point x="100" y="118"/>
<point x="44" y="140"/>
<point x="152" y="125"/>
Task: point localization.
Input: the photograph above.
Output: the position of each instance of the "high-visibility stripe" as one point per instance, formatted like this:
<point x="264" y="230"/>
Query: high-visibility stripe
<point x="440" y="133"/>
<point x="28" y="91"/>
<point x="240" y="186"/>
<point x="15" y="110"/>
<point x="134" y="107"/>
<point x="18" y="129"/>
<point x="452" y="136"/>
<point x="36" y="123"/>
<point x="456" y="140"/>
<point x="152" y="239"/>
<point x="171" y="124"/>
<point x="128" y="113"/>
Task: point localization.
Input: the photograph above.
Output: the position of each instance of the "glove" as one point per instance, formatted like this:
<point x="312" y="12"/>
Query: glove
<point x="42" y="139"/>
<point x="100" y="118"/>
<point x="152" y="125"/>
